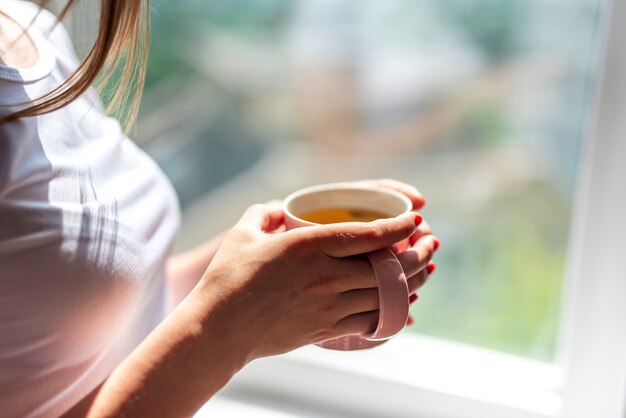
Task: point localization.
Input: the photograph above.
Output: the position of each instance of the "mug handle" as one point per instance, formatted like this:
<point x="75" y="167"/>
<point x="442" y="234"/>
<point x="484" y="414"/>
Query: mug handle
<point x="393" y="293"/>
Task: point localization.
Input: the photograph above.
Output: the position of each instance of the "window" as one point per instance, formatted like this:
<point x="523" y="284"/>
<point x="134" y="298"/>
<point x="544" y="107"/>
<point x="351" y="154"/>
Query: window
<point x="486" y="106"/>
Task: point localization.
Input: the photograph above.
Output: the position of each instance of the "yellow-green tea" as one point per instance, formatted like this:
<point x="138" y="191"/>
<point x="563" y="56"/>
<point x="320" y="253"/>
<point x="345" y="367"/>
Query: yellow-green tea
<point x="336" y="215"/>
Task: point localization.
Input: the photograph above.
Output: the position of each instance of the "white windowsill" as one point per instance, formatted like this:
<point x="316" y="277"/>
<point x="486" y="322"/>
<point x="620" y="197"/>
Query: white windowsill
<point x="441" y="379"/>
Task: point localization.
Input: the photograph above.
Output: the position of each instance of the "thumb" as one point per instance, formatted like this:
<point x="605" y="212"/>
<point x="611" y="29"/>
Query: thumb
<point x="263" y="217"/>
<point x="352" y="238"/>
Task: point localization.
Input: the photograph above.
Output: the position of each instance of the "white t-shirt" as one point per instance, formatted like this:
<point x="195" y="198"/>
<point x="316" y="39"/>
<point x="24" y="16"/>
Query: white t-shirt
<point x="86" y="223"/>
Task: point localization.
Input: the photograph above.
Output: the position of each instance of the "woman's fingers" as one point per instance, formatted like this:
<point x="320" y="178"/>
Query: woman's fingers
<point x="418" y="280"/>
<point x="356" y="272"/>
<point x="367" y="299"/>
<point x="422" y="230"/>
<point x="263" y="217"/>
<point x="415" y="258"/>
<point x="279" y="230"/>
<point x="352" y="238"/>
<point x="363" y="296"/>
<point x="358" y="301"/>
<point x="359" y="307"/>
<point x="411" y="192"/>
<point x="415" y="283"/>
<point x="356" y="324"/>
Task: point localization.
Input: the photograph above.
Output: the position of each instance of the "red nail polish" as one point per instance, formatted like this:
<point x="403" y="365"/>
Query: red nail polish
<point x="430" y="267"/>
<point x="418" y="219"/>
<point x="413" y="297"/>
<point x="435" y="243"/>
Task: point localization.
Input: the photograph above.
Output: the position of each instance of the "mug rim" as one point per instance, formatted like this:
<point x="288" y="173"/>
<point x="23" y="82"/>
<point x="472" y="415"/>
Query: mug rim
<point x="342" y="186"/>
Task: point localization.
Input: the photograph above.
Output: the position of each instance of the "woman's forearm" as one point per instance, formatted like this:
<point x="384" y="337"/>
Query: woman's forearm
<point x="185" y="270"/>
<point x="176" y="369"/>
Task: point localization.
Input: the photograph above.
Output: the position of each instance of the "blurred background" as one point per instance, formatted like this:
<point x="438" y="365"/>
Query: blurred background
<point x="482" y="104"/>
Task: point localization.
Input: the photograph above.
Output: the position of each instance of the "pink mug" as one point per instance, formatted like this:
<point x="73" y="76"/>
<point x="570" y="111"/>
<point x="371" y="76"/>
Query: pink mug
<point x="392" y="286"/>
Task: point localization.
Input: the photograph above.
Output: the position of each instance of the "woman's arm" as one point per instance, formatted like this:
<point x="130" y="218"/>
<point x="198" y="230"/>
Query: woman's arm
<point x="263" y="294"/>
<point x="184" y="270"/>
<point x="183" y="362"/>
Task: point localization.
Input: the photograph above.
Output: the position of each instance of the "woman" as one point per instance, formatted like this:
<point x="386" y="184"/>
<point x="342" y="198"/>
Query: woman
<point x="87" y="223"/>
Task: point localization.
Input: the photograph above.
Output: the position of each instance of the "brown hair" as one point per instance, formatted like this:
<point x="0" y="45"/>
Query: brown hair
<point x="118" y="57"/>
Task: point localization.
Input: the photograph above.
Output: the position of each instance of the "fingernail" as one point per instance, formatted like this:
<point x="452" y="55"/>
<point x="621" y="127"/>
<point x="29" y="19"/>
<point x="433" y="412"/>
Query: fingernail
<point x="435" y="243"/>
<point x="418" y="219"/>
<point x="431" y="266"/>
<point x="413" y="297"/>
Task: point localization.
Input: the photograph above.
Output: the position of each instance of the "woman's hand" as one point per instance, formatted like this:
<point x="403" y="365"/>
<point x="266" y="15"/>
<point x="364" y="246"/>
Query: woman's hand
<point x="283" y="291"/>
<point x="185" y="270"/>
